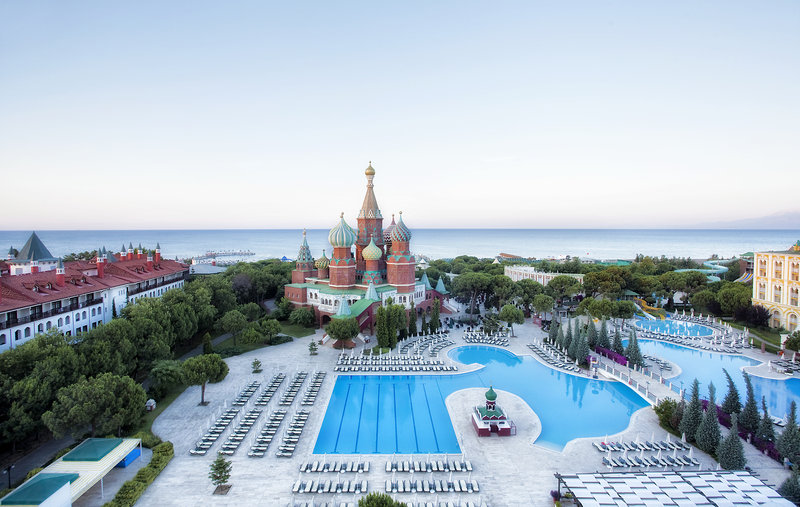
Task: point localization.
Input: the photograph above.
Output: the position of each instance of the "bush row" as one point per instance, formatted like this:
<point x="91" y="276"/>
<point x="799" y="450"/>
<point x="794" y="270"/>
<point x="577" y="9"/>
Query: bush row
<point x="130" y="492"/>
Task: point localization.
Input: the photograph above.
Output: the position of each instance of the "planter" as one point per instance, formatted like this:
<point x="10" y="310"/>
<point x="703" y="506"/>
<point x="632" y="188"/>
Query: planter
<point x="222" y="489"/>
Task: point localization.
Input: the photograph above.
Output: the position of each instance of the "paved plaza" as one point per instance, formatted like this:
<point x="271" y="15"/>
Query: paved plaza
<point x="510" y="470"/>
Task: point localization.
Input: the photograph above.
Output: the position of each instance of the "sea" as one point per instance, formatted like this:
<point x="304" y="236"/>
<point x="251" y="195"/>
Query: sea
<point x="602" y="244"/>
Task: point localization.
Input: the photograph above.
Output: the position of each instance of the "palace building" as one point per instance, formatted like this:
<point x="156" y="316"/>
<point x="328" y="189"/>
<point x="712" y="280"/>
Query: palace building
<point x="368" y="266"/>
<point x="776" y="285"/>
<point x="39" y="291"/>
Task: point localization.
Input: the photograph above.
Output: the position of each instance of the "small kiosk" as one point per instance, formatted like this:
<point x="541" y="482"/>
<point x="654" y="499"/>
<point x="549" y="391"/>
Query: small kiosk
<point x="490" y="418"/>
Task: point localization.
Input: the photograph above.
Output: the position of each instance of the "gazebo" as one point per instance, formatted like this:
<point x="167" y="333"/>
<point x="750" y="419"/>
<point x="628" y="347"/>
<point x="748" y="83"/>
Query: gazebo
<point x="490" y="418"/>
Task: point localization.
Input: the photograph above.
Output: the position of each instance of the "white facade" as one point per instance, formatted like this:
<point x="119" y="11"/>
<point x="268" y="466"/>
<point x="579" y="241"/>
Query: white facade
<point x="79" y="314"/>
<point x="776" y="287"/>
<point x="517" y="273"/>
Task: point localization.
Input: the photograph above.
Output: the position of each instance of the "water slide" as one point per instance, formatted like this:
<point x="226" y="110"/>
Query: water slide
<point x="647" y="315"/>
<point x="712" y="269"/>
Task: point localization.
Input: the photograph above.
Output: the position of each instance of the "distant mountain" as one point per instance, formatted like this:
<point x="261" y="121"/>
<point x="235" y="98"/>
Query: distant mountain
<point x="789" y="220"/>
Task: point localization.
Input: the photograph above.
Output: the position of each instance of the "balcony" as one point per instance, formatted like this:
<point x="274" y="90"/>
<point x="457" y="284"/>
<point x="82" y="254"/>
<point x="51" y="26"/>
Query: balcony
<point x="146" y="288"/>
<point x="49" y="313"/>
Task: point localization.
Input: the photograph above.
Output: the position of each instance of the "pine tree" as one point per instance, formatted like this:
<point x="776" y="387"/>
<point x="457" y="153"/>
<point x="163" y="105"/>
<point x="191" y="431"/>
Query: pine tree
<point x="616" y="346"/>
<point x="412" y="321"/>
<point x="591" y="335"/>
<point x="632" y="352"/>
<point x="567" y="337"/>
<point x="424" y="325"/>
<point x="602" y="339"/>
<point x="208" y="348"/>
<point x="790" y="489"/>
<point x="788" y="443"/>
<point x="552" y="334"/>
<point x="381" y="325"/>
<point x="748" y="419"/>
<point x="435" y="324"/>
<point x="220" y="470"/>
<point x="574" y="345"/>
<point x="731" y="403"/>
<point x="765" y="430"/>
<point x="113" y="309"/>
<point x="560" y="338"/>
<point x="708" y="434"/>
<point x="582" y="351"/>
<point x="730" y="452"/>
<point x="692" y="414"/>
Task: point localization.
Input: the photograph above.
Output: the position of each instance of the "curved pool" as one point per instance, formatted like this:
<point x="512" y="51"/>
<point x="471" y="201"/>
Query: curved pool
<point x="407" y="414"/>
<point x="675" y="327"/>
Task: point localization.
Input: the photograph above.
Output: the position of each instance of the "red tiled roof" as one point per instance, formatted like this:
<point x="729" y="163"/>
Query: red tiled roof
<point x="29" y="289"/>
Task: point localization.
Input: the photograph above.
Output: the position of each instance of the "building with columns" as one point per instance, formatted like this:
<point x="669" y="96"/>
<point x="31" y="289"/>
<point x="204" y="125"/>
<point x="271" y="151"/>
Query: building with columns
<point x="368" y="266"/>
<point x="39" y="292"/>
<point x="776" y="285"/>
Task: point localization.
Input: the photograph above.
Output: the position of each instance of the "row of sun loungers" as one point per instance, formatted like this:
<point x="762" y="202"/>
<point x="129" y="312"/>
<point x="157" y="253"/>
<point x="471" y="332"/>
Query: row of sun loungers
<point x="443" y="503"/>
<point x="649" y="461"/>
<point x="292" y="435"/>
<point x="291" y="393"/>
<point x="246" y="394"/>
<point x="387" y="360"/>
<point x="395" y="368"/>
<point x="214" y="432"/>
<point x="551" y="358"/>
<point x="432" y="486"/>
<point x="268" y="432"/>
<point x="434" y="342"/>
<point x="240" y="432"/>
<point x="329" y="486"/>
<point x="429" y="466"/>
<point x="664" y="365"/>
<point x="313" y="390"/>
<point x="335" y="467"/>
<point x="496" y="339"/>
<point x="663" y="445"/>
<point x="268" y="392"/>
<point x="731" y="348"/>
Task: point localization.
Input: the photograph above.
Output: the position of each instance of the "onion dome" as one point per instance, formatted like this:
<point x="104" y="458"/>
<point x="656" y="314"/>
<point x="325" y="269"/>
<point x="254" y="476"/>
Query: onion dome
<point x="400" y="231"/>
<point x="387" y="233"/>
<point x="370" y="171"/>
<point x="304" y="255"/>
<point x="371" y="252"/>
<point x="322" y="262"/>
<point x="490" y="394"/>
<point x="342" y="235"/>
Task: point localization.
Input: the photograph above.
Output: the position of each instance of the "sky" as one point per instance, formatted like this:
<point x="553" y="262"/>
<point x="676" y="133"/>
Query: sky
<point x="207" y="114"/>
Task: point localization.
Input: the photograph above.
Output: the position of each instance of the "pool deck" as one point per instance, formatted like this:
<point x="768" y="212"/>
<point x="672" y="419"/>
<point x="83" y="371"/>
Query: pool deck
<point x="511" y="470"/>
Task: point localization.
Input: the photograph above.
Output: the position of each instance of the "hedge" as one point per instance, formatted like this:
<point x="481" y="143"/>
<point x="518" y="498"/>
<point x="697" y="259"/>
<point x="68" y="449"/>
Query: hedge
<point x="132" y="490"/>
<point x="148" y="439"/>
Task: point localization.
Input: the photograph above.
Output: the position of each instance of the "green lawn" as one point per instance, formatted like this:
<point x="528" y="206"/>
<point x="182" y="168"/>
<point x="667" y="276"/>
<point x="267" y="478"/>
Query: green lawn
<point x="767" y="335"/>
<point x="243" y="347"/>
<point x="296" y="331"/>
<point x="147" y="422"/>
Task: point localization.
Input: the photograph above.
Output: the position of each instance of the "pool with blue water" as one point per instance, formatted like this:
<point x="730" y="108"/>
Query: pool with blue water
<point x="407" y="414"/>
<point x="675" y="327"/>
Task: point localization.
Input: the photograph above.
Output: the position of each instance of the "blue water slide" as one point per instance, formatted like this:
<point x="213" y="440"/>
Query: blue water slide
<point x="712" y="270"/>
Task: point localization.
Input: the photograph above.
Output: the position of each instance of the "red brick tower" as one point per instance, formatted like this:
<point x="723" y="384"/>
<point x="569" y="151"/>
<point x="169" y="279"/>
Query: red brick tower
<point x="370" y="225"/>
<point x="400" y="265"/>
<point x="304" y="267"/>
<point x="342" y="267"/>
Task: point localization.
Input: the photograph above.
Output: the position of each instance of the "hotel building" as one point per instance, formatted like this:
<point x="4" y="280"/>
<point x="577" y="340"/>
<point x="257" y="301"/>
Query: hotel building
<point x="39" y="292"/>
<point x="776" y="285"/>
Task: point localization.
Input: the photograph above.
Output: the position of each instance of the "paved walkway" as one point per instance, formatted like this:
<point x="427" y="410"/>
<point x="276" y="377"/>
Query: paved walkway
<point x="511" y="471"/>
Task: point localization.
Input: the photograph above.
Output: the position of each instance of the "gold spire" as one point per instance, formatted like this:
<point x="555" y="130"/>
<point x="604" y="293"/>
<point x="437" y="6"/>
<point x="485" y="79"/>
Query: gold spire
<point x="369" y="209"/>
<point x="370" y="171"/>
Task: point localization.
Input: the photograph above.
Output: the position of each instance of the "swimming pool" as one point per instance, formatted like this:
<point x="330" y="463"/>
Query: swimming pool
<point x="406" y="414"/>
<point x="707" y="367"/>
<point x="675" y="327"/>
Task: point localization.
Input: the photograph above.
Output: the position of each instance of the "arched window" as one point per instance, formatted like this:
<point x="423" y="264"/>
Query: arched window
<point x="92" y="312"/>
<point x="762" y="291"/>
<point x="49" y="325"/>
<point x="793" y="296"/>
<point x="776" y="319"/>
<point x="84" y="314"/>
<point x="77" y="317"/>
<point x="2" y="338"/>
<point x="762" y="267"/>
<point x="777" y="293"/>
<point x="27" y="332"/>
<point x="66" y="320"/>
<point x="791" y="322"/>
<point x="17" y="335"/>
<point x="61" y="321"/>
<point x="40" y="328"/>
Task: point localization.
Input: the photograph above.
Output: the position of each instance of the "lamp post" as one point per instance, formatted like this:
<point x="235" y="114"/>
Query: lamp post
<point x="7" y="471"/>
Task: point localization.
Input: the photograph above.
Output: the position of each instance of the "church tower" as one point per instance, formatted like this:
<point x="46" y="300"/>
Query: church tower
<point x="370" y="226"/>
<point x="342" y="267"/>
<point x="304" y="267"/>
<point x="401" y="265"/>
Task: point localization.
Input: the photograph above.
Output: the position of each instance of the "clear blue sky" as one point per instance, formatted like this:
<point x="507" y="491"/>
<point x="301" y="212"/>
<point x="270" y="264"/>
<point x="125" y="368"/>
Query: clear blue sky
<point x="207" y="114"/>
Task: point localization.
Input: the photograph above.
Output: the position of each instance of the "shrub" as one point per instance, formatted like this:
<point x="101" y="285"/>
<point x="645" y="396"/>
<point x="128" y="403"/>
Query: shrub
<point x="665" y="411"/>
<point x="33" y="472"/>
<point x="130" y="492"/>
<point x="148" y="439"/>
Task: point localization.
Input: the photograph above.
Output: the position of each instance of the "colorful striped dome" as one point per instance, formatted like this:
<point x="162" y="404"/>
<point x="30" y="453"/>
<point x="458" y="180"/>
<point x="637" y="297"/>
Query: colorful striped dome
<point x="387" y="233"/>
<point x="371" y="252"/>
<point x="322" y="262"/>
<point x="342" y="235"/>
<point x="400" y="231"/>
